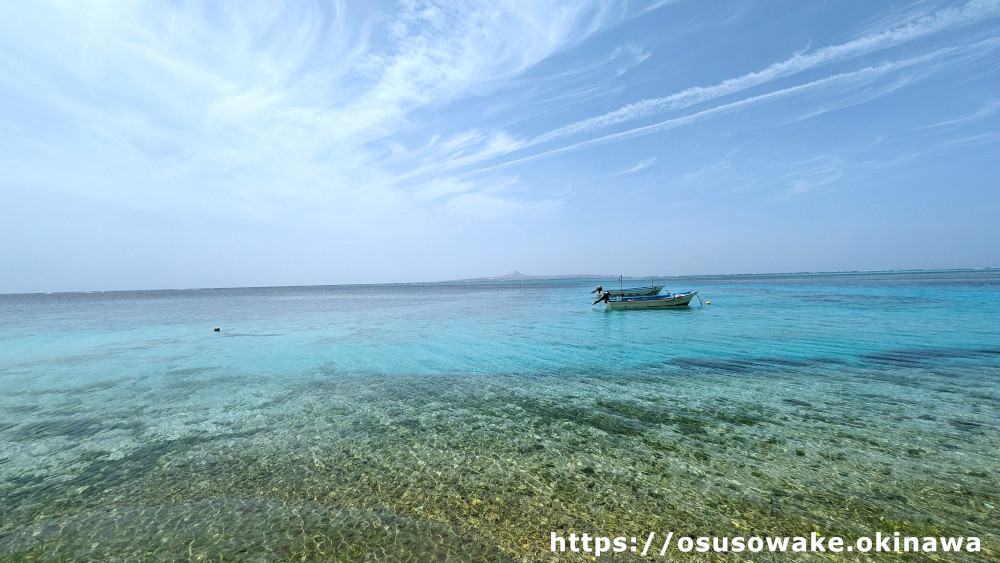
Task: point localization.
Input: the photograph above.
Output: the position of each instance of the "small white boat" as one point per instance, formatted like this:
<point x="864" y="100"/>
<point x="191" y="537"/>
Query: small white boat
<point x="652" y="301"/>
<point x="650" y="289"/>
<point x="636" y="291"/>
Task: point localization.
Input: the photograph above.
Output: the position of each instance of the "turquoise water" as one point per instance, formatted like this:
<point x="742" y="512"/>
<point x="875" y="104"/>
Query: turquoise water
<point x="468" y="421"/>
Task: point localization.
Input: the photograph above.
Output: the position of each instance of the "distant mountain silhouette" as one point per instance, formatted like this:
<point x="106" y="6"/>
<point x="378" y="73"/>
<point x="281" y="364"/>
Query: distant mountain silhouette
<point x="518" y="276"/>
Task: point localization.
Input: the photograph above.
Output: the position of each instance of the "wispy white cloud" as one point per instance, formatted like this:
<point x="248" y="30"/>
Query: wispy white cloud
<point x="464" y="200"/>
<point x="458" y="150"/>
<point x="911" y="29"/>
<point x="252" y="98"/>
<point x="657" y="5"/>
<point x="628" y="57"/>
<point x="865" y="75"/>
<point x="864" y="95"/>
<point x="721" y="165"/>
<point x="969" y="141"/>
<point x="922" y="27"/>
<point x="987" y="110"/>
<point x="818" y="175"/>
<point x="641" y="165"/>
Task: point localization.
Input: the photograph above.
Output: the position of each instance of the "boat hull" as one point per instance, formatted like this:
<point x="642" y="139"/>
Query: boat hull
<point x="636" y="291"/>
<point x="652" y="301"/>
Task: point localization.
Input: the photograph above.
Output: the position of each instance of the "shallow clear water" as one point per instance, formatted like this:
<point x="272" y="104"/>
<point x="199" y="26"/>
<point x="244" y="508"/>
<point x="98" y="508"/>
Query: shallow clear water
<point x="468" y="421"/>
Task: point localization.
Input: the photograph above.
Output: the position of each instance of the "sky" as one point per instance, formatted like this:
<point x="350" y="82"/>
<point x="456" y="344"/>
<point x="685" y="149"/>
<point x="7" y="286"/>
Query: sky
<point x="228" y="144"/>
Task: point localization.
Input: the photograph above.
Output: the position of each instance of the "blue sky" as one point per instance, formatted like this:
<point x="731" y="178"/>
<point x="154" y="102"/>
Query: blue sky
<point x="210" y="144"/>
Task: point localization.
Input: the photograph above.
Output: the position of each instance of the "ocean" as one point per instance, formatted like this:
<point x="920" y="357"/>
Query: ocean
<point x="471" y="421"/>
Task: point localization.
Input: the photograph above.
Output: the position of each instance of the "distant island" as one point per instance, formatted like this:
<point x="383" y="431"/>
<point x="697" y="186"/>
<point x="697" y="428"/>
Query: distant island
<point x="518" y="276"/>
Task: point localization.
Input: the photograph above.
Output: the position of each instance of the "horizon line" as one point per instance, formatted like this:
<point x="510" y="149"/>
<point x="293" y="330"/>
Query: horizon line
<point x="527" y="277"/>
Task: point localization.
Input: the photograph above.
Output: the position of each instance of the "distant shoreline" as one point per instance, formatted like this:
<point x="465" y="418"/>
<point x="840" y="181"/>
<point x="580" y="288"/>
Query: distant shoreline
<point x="519" y="277"/>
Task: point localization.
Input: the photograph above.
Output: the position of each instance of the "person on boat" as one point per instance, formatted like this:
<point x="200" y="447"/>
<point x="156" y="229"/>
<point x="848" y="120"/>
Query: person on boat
<point x="599" y="290"/>
<point x="605" y="296"/>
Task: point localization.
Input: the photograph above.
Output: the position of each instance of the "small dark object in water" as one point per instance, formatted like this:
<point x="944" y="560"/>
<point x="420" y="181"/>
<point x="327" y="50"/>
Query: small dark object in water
<point x="797" y="402"/>
<point x="217" y="329"/>
<point x="965" y="424"/>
